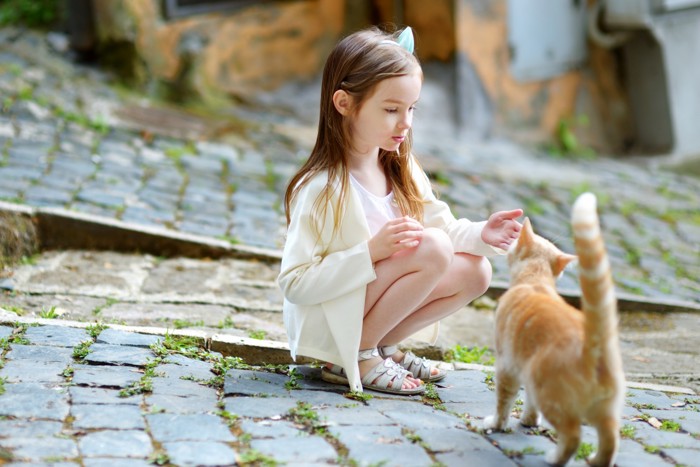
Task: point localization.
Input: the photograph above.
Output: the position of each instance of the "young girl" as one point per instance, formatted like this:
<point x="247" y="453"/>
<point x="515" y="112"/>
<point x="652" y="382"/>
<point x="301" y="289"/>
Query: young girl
<point x="371" y="256"/>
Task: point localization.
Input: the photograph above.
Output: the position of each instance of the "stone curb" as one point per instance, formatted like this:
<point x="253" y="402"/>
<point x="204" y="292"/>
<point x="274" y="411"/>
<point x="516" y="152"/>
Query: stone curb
<point x="260" y="351"/>
<point x="62" y="229"/>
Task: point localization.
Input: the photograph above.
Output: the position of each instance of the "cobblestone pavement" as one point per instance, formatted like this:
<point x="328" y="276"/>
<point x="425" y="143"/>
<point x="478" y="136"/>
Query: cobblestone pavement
<point x="109" y="397"/>
<point x="113" y="396"/>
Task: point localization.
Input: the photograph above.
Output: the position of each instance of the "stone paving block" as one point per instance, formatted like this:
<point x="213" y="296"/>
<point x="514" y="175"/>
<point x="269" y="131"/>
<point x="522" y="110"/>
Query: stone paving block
<point x="116" y="443"/>
<point x="42" y="353"/>
<point x="31" y="400"/>
<point x="179" y="366"/>
<point x="257" y="407"/>
<point x="6" y="332"/>
<point x="650" y="436"/>
<point x="28" y="371"/>
<point x="197" y="427"/>
<point x="56" y="335"/>
<point x="689" y="420"/>
<point x="355" y="414"/>
<point x="200" y="454"/>
<point x="107" y="416"/>
<point x="29" y="428"/>
<point x="116" y="462"/>
<point x="443" y="440"/>
<point x="385" y="445"/>
<point x="649" y="399"/>
<point x="320" y="398"/>
<point x="632" y="454"/>
<point x="93" y="396"/>
<point x="181" y="388"/>
<point x="183" y="405"/>
<point x="300" y="450"/>
<point x="119" y="355"/>
<point x="271" y="429"/>
<point x="47" y="449"/>
<point x="683" y="456"/>
<point x="416" y="416"/>
<point x="47" y="196"/>
<point x="520" y="441"/>
<point x="114" y="337"/>
<point x="104" y="376"/>
<point x="251" y="383"/>
<point x="490" y="458"/>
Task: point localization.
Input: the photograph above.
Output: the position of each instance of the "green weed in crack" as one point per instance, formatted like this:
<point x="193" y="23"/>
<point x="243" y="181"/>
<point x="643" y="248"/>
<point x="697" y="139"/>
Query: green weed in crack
<point x="145" y="384"/>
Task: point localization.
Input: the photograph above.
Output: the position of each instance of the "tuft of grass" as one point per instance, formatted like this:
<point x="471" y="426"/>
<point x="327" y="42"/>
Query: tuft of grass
<point x="628" y="431"/>
<point x="96" y="329"/>
<point x="82" y="350"/>
<point x="252" y="457"/>
<point x="670" y="425"/>
<point x="584" y="451"/>
<point x="257" y="334"/>
<point x="31" y="13"/>
<point x="481" y="355"/>
<point x="51" y="313"/>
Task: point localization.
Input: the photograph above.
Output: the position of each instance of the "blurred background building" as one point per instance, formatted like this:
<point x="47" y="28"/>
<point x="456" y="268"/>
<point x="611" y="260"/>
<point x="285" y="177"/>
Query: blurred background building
<point x="611" y="76"/>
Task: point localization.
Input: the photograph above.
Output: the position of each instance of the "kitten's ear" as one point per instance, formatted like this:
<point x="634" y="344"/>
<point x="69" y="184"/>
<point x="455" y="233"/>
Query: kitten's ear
<point x="526" y="233"/>
<point x="561" y="262"/>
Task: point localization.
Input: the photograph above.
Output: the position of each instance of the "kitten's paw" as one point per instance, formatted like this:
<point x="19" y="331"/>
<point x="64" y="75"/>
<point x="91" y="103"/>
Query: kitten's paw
<point x="596" y="460"/>
<point x="530" y="420"/>
<point x="491" y="423"/>
<point x="552" y="457"/>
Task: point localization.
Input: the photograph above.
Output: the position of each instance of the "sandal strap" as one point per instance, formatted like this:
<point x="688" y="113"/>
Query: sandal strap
<point x="385" y="373"/>
<point x="367" y="354"/>
<point x="420" y="367"/>
<point x="388" y="350"/>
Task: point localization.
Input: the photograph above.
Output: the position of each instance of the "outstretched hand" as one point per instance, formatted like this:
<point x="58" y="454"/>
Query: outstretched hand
<point x="502" y="228"/>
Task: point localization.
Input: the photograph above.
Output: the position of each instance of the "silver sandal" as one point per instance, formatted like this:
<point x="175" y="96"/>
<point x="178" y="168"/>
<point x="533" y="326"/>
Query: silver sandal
<point x="420" y="367"/>
<point x="385" y="373"/>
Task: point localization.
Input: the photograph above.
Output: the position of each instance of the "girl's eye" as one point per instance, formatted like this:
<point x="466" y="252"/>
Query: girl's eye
<point x="412" y="108"/>
<point x="391" y="111"/>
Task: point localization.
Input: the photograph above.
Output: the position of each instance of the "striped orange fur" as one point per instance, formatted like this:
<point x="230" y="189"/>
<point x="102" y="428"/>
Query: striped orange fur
<point x="568" y="360"/>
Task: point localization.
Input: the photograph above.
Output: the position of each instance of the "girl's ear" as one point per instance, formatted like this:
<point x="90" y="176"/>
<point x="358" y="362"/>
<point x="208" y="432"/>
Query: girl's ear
<point x="342" y="102"/>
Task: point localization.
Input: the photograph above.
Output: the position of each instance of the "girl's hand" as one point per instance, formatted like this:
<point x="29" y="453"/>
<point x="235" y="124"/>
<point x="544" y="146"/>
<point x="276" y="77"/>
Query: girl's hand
<point x="396" y="235"/>
<point x="502" y="229"/>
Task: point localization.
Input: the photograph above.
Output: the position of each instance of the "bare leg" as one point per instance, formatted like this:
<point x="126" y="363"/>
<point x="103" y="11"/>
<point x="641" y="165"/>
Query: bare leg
<point x="418" y="287"/>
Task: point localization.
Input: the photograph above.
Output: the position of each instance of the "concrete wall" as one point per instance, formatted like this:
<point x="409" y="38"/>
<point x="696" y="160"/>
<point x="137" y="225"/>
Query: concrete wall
<point x="259" y="48"/>
<point x="237" y="53"/>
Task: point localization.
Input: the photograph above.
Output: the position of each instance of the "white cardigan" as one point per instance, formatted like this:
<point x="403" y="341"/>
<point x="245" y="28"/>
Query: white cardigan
<point x="324" y="281"/>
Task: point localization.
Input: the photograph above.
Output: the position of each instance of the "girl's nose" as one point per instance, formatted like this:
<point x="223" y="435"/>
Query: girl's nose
<point x="405" y="122"/>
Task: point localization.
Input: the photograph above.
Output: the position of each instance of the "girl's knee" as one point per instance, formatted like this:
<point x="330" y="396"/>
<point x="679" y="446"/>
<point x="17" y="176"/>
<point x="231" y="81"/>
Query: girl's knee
<point x="477" y="272"/>
<point x="436" y="248"/>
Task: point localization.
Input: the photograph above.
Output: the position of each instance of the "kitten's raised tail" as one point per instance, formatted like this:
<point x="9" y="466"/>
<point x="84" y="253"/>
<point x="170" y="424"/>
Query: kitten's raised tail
<point x="598" y="300"/>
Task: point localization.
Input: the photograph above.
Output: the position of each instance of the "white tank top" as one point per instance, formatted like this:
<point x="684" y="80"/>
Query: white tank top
<point x="378" y="209"/>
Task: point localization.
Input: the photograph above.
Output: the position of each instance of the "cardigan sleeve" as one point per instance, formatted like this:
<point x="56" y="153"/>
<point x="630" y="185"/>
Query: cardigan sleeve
<point x="315" y="269"/>
<point x="465" y="234"/>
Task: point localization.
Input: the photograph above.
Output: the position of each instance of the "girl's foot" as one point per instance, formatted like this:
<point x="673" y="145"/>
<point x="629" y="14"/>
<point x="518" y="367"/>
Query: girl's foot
<point x="420" y="367"/>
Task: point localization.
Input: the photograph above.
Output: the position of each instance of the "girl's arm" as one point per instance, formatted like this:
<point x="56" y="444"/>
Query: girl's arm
<point x="465" y="234"/>
<point x="310" y="272"/>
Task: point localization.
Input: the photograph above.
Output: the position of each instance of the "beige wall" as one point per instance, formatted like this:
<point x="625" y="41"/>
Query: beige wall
<point x="256" y="48"/>
<point x="261" y="47"/>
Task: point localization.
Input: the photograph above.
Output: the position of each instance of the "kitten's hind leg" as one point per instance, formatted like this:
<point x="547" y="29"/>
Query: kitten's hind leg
<point x="569" y="437"/>
<point x="507" y="387"/>
<point x="530" y="416"/>
<point x="608" y="442"/>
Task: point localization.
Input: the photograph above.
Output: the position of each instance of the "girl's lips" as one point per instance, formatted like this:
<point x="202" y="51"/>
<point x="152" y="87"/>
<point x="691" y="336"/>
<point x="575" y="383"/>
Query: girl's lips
<point x="399" y="139"/>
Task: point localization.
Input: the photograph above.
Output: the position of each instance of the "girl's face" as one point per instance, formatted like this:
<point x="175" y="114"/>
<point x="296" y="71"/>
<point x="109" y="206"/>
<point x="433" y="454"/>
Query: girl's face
<point x="383" y="119"/>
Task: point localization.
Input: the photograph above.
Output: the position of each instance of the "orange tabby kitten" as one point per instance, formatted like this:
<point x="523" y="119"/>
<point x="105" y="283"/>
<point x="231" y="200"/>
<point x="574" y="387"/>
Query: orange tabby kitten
<point x="567" y="360"/>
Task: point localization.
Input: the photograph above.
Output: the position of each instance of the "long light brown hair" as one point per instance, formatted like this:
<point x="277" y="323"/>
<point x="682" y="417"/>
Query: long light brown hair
<point x="356" y="65"/>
